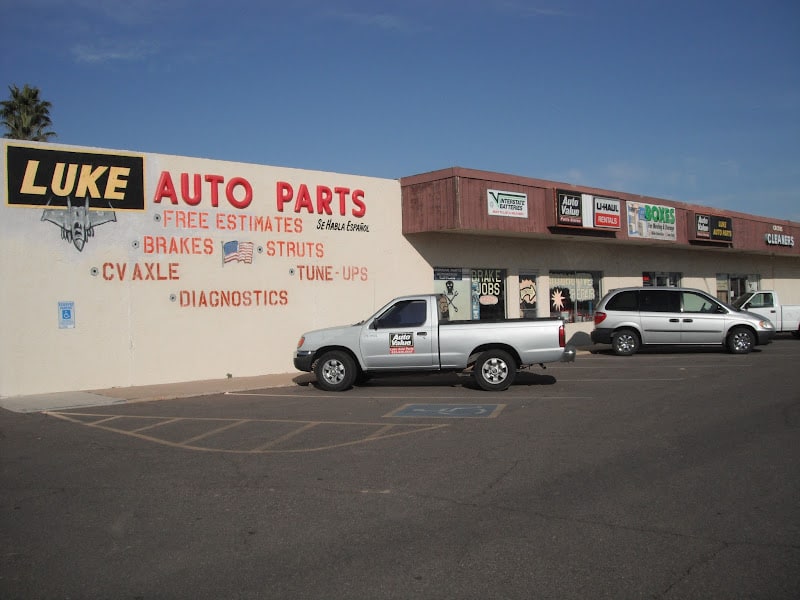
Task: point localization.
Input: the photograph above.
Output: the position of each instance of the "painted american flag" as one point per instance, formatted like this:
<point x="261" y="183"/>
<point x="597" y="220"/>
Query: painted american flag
<point x="237" y="251"/>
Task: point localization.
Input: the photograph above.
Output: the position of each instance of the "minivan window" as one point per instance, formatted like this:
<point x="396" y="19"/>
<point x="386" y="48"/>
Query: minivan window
<point x="696" y="303"/>
<point x="659" y="301"/>
<point x="627" y="300"/>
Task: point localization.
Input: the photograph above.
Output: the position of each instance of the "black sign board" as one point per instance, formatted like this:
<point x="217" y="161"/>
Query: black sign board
<point x="56" y="178"/>
<point x="569" y="209"/>
<point x="713" y="228"/>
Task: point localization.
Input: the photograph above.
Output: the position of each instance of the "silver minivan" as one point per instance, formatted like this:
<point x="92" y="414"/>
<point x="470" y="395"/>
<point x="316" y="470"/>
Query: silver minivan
<point x="628" y="318"/>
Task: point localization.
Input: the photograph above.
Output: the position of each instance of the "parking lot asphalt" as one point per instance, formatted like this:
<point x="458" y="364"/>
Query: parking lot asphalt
<point x="665" y="475"/>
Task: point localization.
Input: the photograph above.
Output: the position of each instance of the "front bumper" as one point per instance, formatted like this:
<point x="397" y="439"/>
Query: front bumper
<point x="765" y="337"/>
<point x="303" y="360"/>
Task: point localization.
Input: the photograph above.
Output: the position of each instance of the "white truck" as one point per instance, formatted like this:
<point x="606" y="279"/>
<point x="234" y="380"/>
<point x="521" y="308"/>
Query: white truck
<point x="415" y="334"/>
<point x="785" y="317"/>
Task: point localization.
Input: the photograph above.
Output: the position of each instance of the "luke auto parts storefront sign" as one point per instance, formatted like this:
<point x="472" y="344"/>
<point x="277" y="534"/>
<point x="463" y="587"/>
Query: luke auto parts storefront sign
<point x="714" y="228"/>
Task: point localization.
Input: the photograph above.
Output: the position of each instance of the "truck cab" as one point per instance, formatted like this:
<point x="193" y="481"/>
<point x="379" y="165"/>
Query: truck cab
<point x="767" y="304"/>
<point x="404" y="335"/>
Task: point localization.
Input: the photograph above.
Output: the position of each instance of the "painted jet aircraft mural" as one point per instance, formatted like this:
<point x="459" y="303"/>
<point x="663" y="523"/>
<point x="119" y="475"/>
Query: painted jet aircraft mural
<point x="77" y="223"/>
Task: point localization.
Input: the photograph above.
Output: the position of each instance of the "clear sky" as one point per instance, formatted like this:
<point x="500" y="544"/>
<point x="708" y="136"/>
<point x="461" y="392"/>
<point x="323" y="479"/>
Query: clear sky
<point x="690" y="100"/>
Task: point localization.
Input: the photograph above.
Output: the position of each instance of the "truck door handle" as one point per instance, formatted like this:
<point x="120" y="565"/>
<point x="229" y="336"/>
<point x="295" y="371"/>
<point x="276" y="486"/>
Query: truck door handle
<point x="422" y="333"/>
<point x="773" y="310"/>
<point x="674" y="320"/>
<point x="688" y="320"/>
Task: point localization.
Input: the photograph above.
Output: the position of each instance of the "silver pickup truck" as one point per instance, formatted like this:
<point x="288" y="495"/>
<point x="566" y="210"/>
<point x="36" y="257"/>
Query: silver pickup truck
<point x="415" y="334"/>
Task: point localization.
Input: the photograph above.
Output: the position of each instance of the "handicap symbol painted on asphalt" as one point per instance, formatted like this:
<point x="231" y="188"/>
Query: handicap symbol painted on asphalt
<point x="485" y="411"/>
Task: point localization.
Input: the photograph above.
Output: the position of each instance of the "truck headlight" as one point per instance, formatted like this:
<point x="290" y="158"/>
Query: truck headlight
<point x="766" y="324"/>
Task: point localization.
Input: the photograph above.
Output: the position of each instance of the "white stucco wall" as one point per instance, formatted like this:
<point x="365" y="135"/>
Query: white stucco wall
<point x="138" y="314"/>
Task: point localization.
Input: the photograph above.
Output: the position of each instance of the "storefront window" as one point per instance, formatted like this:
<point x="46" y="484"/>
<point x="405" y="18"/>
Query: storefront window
<point x="574" y="294"/>
<point x="730" y="286"/>
<point x="472" y="294"/>
<point x="527" y="294"/>
<point x="661" y="279"/>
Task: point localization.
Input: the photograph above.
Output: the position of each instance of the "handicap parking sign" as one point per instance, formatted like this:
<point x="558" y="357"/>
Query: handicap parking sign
<point x="66" y="315"/>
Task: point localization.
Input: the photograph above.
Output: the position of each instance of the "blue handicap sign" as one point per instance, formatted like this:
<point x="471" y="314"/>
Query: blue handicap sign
<point x="66" y="315"/>
<point x="460" y="411"/>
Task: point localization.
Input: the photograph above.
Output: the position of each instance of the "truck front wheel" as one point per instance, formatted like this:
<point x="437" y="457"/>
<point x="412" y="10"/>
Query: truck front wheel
<point x="495" y="370"/>
<point x="335" y="370"/>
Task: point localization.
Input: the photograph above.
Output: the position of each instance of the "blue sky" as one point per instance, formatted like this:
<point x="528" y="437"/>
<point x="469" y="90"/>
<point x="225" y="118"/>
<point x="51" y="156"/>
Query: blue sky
<point x="690" y="100"/>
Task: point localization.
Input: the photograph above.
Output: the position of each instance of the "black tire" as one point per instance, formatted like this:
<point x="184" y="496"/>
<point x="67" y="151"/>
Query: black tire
<point x="625" y="342"/>
<point x="495" y="370"/>
<point x="336" y="371"/>
<point x="741" y="340"/>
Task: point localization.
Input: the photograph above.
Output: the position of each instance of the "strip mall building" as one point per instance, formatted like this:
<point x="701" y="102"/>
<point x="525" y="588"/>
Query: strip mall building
<point x="123" y="268"/>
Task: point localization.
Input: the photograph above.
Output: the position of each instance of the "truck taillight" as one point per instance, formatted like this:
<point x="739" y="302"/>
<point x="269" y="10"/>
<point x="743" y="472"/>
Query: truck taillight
<point x="301" y="341"/>
<point x="562" y="336"/>
<point x="599" y="317"/>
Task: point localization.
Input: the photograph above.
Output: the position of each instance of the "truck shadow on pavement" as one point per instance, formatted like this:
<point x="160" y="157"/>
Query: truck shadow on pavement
<point x="523" y="378"/>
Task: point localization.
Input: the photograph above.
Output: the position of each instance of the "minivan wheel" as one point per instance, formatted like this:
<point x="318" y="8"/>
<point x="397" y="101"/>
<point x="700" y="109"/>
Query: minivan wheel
<point x="625" y="342"/>
<point x="741" y="341"/>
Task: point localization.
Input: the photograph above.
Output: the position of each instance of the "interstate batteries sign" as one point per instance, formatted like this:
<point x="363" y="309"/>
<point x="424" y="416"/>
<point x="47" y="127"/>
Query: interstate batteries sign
<point x="587" y="211"/>
<point x="507" y="204"/>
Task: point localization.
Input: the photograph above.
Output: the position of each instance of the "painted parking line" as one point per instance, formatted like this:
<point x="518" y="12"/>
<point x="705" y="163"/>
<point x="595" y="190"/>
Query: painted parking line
<point x="451" y="411"/>
<point x="249" y="436"/>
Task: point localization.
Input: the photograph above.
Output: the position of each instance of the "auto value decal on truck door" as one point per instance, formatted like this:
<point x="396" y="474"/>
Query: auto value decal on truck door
<point x="401" y="343"/>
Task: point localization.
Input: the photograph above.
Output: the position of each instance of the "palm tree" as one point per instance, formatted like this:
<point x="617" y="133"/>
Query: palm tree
<point x="26" y="116"/>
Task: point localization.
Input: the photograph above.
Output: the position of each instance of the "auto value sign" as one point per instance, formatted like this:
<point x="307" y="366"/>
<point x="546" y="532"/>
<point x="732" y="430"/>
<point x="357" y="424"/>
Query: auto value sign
<point x="710" y="227"/>
<point x="507" y="204"/>
<point x="587" y="211"/>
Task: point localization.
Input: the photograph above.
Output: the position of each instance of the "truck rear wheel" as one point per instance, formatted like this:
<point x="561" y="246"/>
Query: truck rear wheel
<point x="336" y="371"/>
<point x="495" y="370"/>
